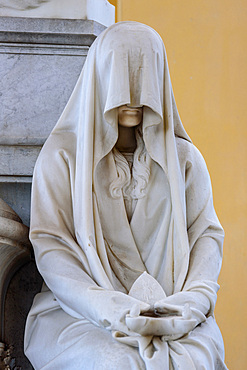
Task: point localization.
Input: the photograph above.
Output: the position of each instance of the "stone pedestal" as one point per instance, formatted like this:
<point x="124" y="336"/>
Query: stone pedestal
<point x="40" y="61"/>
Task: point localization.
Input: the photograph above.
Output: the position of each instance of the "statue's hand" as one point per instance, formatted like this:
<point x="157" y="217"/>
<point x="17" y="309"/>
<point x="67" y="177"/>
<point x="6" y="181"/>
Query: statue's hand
<point x="120" y="324"/>
<point x="168" y="321"/>
<point x="186" y="318"/>
<point x="168" y="327"/>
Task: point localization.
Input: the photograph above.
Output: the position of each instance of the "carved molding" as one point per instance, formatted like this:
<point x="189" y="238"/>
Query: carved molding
<point x="49" y="31"/>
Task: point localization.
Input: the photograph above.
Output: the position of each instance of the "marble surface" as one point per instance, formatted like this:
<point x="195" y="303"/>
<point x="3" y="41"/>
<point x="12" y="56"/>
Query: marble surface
<point x="49" y="31"/>
<point x="34" y="90"/>
<point x="98" y="10"/>
<point x="40" y="62"/>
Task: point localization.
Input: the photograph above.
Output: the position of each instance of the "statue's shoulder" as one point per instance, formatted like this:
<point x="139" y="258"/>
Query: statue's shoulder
<point x="59" y="147"/>
<point x="61" y="140"/>
<point x="188" y="153"/>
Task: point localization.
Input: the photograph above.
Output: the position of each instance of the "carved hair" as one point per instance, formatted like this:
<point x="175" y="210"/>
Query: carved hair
<point x="133" y="185"/>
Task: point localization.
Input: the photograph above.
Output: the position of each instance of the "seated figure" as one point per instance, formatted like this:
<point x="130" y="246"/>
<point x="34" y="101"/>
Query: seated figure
<point x="122" y="224"/>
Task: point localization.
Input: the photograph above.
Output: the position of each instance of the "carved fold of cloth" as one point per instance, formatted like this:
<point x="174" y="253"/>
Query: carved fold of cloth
<point x="58" y="336"/>
<point x="122" y="294"/>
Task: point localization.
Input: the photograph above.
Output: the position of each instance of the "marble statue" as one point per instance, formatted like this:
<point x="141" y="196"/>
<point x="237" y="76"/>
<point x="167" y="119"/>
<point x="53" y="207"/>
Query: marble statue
<point x="122" y="224"/>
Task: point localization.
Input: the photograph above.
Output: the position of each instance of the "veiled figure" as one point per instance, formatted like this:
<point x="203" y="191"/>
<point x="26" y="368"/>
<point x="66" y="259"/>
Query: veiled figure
<point x="122" y="224"/>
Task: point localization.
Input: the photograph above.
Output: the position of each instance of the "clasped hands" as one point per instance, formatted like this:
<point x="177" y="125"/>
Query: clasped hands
<point x="168" y="321"/>
<point x="157" y="315"/>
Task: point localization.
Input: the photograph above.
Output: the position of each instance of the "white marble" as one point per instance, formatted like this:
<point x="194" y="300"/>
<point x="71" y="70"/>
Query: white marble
<point x="98" y="10"/>
<point x="123" y="225"/>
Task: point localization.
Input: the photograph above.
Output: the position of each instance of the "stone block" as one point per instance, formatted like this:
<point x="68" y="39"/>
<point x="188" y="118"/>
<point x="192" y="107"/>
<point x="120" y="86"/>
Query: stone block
<point x="98" y="10"/>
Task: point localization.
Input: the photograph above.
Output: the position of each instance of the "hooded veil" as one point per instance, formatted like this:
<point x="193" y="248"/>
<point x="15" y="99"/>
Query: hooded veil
<point x="87" y="251"/>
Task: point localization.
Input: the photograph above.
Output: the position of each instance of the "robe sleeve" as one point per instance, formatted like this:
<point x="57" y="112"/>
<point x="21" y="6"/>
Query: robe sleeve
<point x="60" y="259"/>
<point x="205" y="236"/>
<point x="204" y="231"/>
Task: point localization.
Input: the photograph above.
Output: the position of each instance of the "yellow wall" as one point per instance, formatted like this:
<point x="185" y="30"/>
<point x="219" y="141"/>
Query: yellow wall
<point x="206" y="42"/>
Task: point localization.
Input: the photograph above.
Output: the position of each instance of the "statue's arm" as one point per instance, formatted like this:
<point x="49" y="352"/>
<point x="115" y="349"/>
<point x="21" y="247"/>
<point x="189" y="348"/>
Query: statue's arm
<point x="205" y="236"/>
<point x="204" y="232"/>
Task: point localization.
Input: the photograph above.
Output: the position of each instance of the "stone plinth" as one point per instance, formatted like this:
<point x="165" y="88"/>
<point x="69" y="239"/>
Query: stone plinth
<point x="40" y="61"/>
<point x="98" y="10"/>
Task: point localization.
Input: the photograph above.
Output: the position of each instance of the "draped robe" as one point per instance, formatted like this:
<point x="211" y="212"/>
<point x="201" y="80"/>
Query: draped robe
<point x="88" y="252"/>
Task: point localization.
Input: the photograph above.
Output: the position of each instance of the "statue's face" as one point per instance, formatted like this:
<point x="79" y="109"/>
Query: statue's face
<point x="129" y="116"/>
